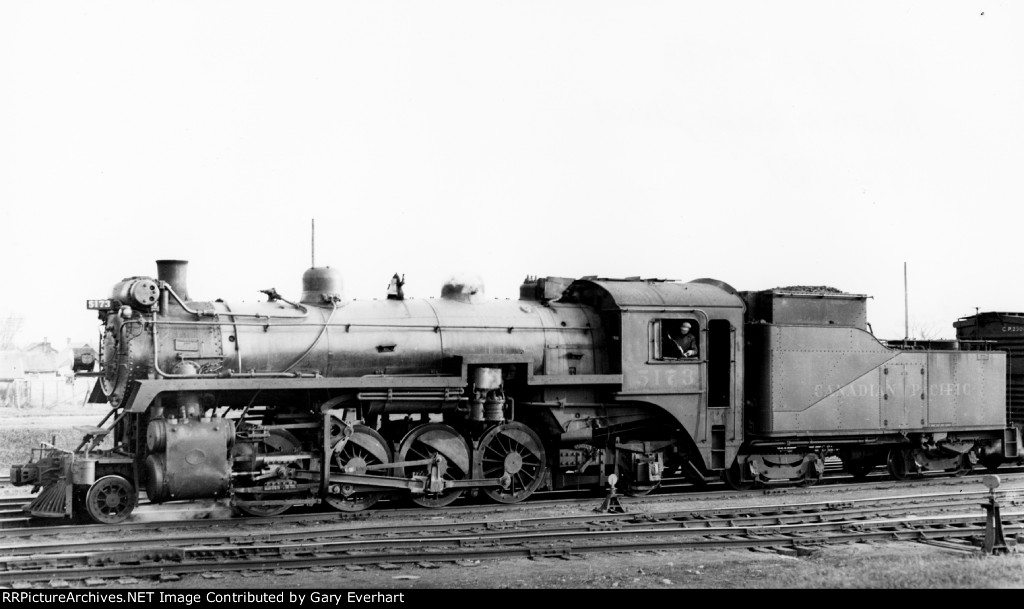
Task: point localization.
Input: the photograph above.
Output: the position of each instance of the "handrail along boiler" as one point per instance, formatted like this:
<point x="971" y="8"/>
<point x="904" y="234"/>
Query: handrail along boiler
<point x="276" y="404"/>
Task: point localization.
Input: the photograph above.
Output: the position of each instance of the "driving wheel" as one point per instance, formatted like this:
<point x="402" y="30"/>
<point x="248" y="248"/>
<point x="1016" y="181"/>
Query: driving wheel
<point x="514" y="452"/>
<point x="449" y="452"/>
<point x="363" y="449"/>
<point x="277" y="442"/>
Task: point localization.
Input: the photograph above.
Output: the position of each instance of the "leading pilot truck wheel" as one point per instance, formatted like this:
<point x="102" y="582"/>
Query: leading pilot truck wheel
<point x="110" y="500"/>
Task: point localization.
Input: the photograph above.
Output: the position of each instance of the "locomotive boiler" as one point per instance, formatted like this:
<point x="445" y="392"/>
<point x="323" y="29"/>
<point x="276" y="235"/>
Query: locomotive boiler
<point x="340" y="401"/>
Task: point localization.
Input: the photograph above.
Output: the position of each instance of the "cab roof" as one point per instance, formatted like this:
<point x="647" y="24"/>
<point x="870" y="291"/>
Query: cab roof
<point x="635" y="292"/>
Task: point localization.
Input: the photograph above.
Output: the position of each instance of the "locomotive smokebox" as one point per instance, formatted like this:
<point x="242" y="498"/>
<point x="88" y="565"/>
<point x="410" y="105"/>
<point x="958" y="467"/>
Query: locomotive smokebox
<point x="174" y="272"/>
<point x="322" y="284"/>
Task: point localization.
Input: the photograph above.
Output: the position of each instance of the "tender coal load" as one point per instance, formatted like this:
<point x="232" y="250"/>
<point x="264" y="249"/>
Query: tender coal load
<point x="809" y="289"/>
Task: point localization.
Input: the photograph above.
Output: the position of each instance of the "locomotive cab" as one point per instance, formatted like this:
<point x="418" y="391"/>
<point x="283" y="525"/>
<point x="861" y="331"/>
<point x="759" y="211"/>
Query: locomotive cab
<point x="693" y="401"/>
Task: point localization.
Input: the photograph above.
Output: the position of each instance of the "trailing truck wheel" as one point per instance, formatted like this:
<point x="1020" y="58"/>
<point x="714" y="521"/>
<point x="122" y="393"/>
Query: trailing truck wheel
<point x="627" y="478"/>
<point x="448" y="451"/>
<point x="514" y="453"/>
<point x="639" y="491"/>
<point x="110" y="500"/>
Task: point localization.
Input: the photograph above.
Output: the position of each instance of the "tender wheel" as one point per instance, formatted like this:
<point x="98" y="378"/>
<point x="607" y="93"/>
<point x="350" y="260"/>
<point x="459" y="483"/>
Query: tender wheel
<point x="513" y="450"/>
<point x="899" y="464"/>
<point x="427" y="442"/>
<point x="364" y="449"/>
<point x="738" y="478"/>
<point x="110" y="500"/>
<point x="964" y="465"/>
<point x="278" y="442"/>
<point x="858" y="469"/>
<point x="992" y="462"/>
<point x="814" y="470"/>
<point x="809" y="479"/>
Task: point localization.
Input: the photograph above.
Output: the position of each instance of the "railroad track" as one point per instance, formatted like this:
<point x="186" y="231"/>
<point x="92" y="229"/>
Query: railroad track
<point x="911" y="517"/>
<point x="13" y="521"/>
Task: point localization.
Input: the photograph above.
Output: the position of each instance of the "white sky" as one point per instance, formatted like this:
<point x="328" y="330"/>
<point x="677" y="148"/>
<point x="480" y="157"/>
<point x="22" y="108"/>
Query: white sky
<point x="761" y="143"/>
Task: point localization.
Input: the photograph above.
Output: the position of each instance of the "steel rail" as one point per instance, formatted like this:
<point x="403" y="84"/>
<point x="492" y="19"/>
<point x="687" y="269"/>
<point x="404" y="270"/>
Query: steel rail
<point x="911" y="529"/>
<point x="703" y="520"/>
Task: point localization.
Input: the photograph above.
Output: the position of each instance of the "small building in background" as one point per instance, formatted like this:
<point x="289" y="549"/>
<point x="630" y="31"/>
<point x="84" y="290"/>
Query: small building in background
<point x="43" y="376"/>
<point x="45" y="359"/>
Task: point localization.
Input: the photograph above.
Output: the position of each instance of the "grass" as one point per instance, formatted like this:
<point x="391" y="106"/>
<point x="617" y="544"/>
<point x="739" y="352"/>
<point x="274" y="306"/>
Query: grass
<point x="24" y="429"/>
<point x="898" y="567"/>
<point x="16" y="444"/>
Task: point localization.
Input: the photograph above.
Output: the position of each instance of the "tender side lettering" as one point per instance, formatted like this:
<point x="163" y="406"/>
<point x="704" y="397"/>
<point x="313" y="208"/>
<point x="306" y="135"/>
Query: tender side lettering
<point x="860" y="390"/>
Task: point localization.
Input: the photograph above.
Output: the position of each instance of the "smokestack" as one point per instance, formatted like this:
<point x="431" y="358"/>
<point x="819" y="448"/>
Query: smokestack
<point x="174" y="272"/>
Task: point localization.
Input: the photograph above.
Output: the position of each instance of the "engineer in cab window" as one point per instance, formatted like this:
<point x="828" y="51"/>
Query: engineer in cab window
<point x="682" y="344"/>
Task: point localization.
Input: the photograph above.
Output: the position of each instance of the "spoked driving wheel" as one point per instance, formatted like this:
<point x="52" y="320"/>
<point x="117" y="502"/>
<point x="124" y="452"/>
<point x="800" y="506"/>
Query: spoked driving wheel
<point x="110" y="500"/>
<point x="448" y="453"/>
<point x="277" y="443"/>
<point x="360" y="451"/>
<point x="514" y="453"/>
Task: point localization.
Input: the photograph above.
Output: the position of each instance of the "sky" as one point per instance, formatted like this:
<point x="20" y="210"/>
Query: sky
<point x="763" y="144"/>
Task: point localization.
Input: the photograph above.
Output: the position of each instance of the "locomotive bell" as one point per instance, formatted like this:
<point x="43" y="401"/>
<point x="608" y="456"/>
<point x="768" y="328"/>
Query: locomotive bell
<point x="321" y="285"/>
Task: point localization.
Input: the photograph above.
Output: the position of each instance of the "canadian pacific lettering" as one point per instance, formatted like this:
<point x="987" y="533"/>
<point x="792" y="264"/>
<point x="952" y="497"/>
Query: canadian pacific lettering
<point x="860" y="390"/>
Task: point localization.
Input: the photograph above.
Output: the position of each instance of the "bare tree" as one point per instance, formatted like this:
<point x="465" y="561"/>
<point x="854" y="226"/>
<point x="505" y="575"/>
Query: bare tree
<point x="9" y="329"/>
<point x="925" y="332"/>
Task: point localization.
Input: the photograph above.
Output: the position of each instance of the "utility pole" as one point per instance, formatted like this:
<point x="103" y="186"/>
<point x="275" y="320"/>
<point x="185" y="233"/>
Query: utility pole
<point x="906" y="306"/>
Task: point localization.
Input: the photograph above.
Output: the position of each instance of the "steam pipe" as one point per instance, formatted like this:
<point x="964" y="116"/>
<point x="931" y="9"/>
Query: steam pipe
<point x="212" y="313"/>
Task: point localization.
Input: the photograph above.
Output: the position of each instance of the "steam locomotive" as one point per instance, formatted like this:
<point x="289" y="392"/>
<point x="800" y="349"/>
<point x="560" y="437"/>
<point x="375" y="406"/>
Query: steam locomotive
<point x="329" y="400"/>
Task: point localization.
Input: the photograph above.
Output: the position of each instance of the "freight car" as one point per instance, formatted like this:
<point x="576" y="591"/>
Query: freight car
<point x="575" y="385"/>
<point x="1005" y="332"/>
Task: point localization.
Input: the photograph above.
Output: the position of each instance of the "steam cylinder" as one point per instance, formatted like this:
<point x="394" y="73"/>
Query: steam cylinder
<point x="188" y="459"/>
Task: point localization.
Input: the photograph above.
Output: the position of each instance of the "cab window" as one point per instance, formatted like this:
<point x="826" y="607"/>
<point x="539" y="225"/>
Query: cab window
<point x="675" y="340"/>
